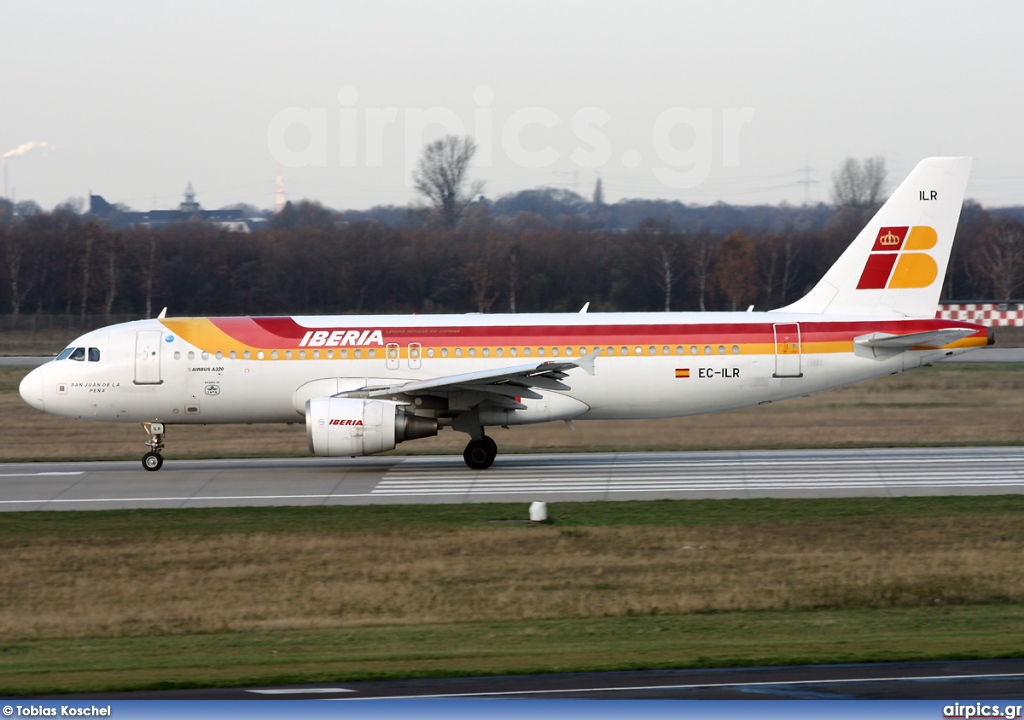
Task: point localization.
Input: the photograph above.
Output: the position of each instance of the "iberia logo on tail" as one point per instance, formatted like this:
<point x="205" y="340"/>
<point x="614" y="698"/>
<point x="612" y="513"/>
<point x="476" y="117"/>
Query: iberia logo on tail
<point x="896" y="262"/>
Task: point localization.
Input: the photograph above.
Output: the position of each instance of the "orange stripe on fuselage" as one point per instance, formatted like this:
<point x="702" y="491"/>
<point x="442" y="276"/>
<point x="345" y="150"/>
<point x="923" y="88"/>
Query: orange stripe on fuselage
<point x="241" y="334"/>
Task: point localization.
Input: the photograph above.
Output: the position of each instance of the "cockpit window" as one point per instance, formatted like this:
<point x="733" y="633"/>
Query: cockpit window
<point x="78" y="354"/>
<point x="64" y="353"/>
<point x="94" y="354"/>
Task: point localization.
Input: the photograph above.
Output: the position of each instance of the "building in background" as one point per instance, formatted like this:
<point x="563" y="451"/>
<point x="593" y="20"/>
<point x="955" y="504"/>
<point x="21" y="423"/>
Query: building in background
<point x="232" y="220"/>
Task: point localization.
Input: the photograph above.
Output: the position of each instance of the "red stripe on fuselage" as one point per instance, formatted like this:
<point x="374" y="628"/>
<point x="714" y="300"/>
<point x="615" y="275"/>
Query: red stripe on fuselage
<point x="286" y="332"/>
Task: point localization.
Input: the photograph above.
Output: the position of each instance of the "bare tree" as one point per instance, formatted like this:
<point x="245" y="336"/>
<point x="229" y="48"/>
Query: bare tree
<point x="790" y="265"/>
<point x="999" y="258"/>
<point x="662" y="253"/>
<point x="735" y="271"/>
<point x="442" y="177"/>
<point x="15" y="245"/>
<point x="858" y="189"/>
<point x="859" y="184"/>
<point x="702" y="256"/>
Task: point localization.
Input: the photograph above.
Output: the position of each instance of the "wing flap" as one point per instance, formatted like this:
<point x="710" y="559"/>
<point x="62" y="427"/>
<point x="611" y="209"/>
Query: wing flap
<point x="500" y="386"/>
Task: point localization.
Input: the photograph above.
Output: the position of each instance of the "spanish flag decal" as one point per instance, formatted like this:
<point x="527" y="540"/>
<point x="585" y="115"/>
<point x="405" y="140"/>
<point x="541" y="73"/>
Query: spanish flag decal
<point x="682" y="372"/>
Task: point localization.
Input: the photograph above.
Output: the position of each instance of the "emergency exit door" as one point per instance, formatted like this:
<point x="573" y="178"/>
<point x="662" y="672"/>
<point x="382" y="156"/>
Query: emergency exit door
<point x="788" y="350"/>
<point x="147" y="357"/>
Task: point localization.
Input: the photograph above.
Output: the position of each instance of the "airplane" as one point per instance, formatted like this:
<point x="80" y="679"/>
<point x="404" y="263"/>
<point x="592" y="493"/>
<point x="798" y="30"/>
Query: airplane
<point x="363" y="384"/>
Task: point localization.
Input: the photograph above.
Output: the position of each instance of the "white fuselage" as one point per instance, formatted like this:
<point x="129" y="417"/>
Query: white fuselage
<point x="651" y="365"/>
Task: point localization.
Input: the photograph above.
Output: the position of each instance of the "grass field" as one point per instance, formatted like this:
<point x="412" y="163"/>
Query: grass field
<point x="203" y="597"/>
<point x="125" y="599"/>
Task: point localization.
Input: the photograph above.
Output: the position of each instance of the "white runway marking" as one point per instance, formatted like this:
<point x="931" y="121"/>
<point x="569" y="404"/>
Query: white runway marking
<point x="710" y="475"/>
<point x="40" y="474"/>
<point x="697" y="686"/>
<point x="179" y="498"/>
<point x="301" y="691"/>
<point x="789" y="473"/>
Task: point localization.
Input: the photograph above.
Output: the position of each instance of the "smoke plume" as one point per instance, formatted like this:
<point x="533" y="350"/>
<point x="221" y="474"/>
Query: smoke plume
<point x="28" y="147"/>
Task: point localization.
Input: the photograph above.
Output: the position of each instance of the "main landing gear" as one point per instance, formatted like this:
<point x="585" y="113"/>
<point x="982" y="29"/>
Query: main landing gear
<point x="479" y="454"/>
<point x="153" y="460"/>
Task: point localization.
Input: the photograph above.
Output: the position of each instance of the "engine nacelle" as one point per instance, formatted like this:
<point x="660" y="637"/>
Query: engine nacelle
<point x="349" y="426"/>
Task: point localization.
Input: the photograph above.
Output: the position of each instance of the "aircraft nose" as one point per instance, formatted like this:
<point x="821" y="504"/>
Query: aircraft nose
<point x="31" y="388"/>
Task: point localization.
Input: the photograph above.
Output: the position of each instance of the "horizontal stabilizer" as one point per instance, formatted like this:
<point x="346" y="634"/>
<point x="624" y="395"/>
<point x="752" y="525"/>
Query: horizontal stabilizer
<point x="927" y="339"/>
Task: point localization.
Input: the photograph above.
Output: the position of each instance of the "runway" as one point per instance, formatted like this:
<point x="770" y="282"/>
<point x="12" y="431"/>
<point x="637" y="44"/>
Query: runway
<point x="889" y="681"/>
<point x="514" y="478"/>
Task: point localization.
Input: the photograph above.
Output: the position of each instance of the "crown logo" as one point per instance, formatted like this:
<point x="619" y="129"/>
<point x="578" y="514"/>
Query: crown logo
<point x="889" y="238"/>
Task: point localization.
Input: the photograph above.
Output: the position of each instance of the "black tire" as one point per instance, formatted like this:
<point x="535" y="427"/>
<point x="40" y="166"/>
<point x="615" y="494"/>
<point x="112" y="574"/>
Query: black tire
<point x="479" y="454"/>
<point x="152" y="461"/>
<point x="492" y="447"/>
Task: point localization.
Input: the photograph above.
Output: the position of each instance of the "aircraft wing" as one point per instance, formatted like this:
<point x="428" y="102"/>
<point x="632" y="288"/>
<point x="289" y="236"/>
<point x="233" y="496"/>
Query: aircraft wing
<point x="500" y="386"/>
<point x="927" y="339"/>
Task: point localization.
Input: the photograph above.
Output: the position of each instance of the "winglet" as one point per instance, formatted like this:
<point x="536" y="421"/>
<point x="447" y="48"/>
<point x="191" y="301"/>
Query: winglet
<point x="586" y="306"/>
<point x="162" y="315"/>
<point x="587" y="361"/>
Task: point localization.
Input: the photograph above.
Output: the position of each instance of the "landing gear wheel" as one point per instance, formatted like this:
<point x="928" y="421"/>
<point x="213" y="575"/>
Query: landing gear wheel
<point x="152" y="461"/>
<point x="479" y="454"/>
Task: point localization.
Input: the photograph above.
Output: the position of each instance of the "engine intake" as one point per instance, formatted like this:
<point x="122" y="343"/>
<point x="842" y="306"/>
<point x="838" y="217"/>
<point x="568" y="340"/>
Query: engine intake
<point x="348" y="426"/>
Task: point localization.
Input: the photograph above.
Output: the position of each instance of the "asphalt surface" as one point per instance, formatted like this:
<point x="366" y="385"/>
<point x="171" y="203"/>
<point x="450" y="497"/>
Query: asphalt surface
<point x="514" y="478"/>
<point x="989" y="679"/>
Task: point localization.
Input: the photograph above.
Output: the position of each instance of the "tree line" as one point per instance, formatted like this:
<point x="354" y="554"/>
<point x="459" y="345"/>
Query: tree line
<point x="313" y="262"/>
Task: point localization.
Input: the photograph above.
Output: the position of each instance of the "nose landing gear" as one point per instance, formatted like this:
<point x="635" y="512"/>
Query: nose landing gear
<point x="153" y="460"/>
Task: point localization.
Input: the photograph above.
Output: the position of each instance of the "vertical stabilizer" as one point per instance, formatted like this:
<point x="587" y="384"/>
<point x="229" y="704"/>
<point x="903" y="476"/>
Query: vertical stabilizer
<point x="897" y="263"/>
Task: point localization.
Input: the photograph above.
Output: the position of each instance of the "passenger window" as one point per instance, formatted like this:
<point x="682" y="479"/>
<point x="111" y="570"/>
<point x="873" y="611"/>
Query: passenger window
<point x="64" y="353"/>
<point x="78" y="354"/>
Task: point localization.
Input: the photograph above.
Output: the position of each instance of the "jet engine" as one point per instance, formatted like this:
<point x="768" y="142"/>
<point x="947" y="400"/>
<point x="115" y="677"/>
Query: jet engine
<point x="349" y="426"/>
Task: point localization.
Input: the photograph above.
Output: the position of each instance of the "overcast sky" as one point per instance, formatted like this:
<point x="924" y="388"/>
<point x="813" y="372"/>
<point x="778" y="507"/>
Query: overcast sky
<point x="694" y="101"/>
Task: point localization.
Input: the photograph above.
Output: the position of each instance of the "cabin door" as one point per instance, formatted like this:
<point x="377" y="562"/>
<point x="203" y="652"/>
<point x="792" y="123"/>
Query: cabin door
<point x="787" y="350"/>
<point x="147" y="357"/>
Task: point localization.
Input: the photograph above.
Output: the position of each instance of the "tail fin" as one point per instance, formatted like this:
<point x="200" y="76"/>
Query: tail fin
<point x="897" y="263"/>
